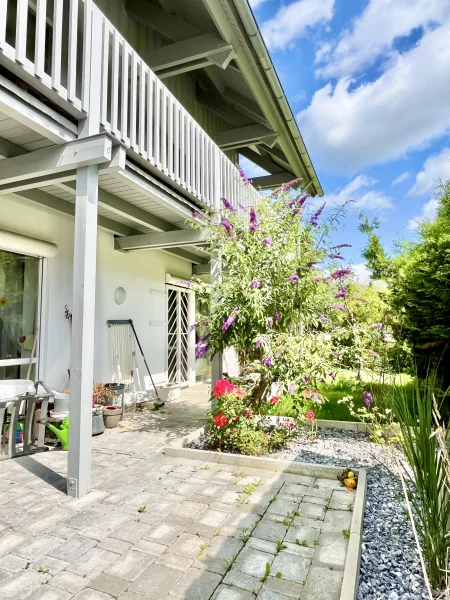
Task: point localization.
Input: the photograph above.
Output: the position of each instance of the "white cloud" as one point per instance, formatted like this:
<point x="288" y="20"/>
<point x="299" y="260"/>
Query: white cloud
<point x="435" y="169"/>
<point x="359" y="193"/>
<point x="362" y="273"/>
<point x="428" y="213"/>
<point x="406" y="108"/>
<point x="256" y="3"/>
<point x="372" y="34"/>
<point x="401" y="178"/>
<point x="291" y="22"/>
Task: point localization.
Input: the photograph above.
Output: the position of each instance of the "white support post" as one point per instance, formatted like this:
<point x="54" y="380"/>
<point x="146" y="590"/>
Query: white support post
<point x="84" y="280"/>
<point x="83" y="319"/>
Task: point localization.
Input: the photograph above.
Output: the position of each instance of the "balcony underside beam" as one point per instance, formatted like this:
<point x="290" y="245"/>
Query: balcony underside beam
<point x="125" y="209"/>
<point x="55" y="160"/>
<point x="244" y="136"/>
<point x="267" y="182"/>
<point x="262" y="160"/>
<point x="187" y="55"/>
<point x="57" y="204"/>
<point x="162" y="241"/>
<point x="245" y="106"/>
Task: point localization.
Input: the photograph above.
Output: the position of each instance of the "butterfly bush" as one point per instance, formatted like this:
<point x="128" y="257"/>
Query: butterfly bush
<point x="276" y="302"/>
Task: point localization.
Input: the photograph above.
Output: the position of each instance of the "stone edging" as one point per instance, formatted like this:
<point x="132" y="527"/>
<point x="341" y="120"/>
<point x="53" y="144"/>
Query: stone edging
<point x="350" y="582"/>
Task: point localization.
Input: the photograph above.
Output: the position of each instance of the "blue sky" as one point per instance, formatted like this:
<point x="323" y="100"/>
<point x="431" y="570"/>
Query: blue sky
<point x="369" y="84"/>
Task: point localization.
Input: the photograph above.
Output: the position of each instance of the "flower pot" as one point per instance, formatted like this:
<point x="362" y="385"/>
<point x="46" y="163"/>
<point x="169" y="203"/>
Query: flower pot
<point x="111" y="416"/>
<point x="98" y="425"/>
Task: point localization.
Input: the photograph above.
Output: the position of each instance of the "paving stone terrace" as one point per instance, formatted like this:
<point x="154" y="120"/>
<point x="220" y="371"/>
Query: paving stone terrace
<point x="166" y="528"/>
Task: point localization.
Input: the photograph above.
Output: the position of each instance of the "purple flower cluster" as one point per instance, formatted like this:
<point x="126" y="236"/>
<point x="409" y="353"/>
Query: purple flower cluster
<point x="376" y="326"/>
<point x="277" y="317"/>
<point x="228" y="205"/>
<point x="201" y="351"/>
<point x="202" y="347"/>
<point x="253" y="220"/>
<point x="306" y="379"/>
<point x="336" y="354"/>
<point x="339" y="307"/>
<point x="314" y="221"/>
<point x="259" y="341"/>
<point x="367" y="399"/>
<point x="317" y="279"/>
<point x="323" y="318"/>
<point x="269" y="321"/>
<point x="340" y="273"/>
<point x="267" y="241"/>
<point x="229" y="320"/>
<point x="255" y="283"/>
<point x="332" y="374"/>
<point x="193" y="326"/>
<point x="293" y="278"/>
<point x="291" y="388"/>
<point x="341" y="246"/>
<point x="267" y="361"/>
<point x="244" y="177"/>
<point x="227" y="226"/>
<point x="342" y="293"/>
<point x="336" y="256"/>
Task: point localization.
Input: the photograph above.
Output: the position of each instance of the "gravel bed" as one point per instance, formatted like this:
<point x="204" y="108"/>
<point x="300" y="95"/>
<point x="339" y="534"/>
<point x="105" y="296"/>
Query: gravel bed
<point x="390" y="566"/>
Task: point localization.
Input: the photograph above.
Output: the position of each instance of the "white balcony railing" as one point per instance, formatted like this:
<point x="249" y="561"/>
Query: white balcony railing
<point x="52" y="44"/>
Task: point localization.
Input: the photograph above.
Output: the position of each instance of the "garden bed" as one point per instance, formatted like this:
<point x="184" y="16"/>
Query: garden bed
<point x="390" y="566"/>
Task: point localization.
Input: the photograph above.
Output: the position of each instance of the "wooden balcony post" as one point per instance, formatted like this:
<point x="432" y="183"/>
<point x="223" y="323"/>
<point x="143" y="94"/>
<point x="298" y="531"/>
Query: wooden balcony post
<point x="83" y="325"/>
<point x="84" y="280"/>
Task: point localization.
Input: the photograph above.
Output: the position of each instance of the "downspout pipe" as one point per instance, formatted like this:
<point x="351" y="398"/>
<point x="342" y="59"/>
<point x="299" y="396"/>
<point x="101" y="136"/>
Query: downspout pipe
<point x="254" y="34"/>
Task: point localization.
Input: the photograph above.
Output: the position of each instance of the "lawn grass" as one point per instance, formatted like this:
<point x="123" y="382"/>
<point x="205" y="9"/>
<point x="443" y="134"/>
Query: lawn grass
<point x="347" y="385"/>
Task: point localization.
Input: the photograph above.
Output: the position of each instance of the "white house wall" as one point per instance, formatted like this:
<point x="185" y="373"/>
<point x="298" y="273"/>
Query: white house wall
<point x="141" y="274"/>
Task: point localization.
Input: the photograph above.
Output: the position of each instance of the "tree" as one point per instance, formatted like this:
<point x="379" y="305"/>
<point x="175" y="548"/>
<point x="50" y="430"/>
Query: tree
<point x="281" y="294"/>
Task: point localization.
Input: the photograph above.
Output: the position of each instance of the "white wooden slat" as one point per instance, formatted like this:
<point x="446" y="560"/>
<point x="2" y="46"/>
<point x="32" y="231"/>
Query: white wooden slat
<point x="164" y="94"/>
<point x="176" y="142"/>
<point x="72" y="51"/>
<point x="142" y="107"/>
<point x="87" y="43"/>
<point x="188" y="153"/>
<point x="57" y="44"/>
<point x="115" y="84"/>
<point x="170" y="140"/>
<point x="21" y="31"/>
<point x="203" y="165"/>
<point x="124" y="110"/>
<point x="157" y="125"/>
<point x="39" y="46"/>
<point x="133" y="99"/>
<point x="105" y="75"/>
<point x="197" y="159"/>
<point x="150" y="107"/>
<point x="183" y="147"/>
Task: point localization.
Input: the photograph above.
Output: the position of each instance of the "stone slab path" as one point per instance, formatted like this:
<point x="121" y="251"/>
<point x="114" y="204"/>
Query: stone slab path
<point x="163" y="528"/>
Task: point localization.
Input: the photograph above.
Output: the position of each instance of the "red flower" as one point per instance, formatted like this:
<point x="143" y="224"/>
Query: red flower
<point x="310" y="415"/>
<point x="222" y="387"/>
<point x="220" y="420"/>
<point x="291" y="426"/>
<point x="274" y="400"/>
<point x="236" y="418"/>
<point x="247" y="414"/>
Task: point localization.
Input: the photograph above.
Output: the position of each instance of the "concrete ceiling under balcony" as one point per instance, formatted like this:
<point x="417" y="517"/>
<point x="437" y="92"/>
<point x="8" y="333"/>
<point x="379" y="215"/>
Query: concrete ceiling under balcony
<point x="207" y="40"/>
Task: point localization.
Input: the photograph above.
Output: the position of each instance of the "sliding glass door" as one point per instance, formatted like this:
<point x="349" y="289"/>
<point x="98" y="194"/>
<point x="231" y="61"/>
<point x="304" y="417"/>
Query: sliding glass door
<point x="20" y="277"/>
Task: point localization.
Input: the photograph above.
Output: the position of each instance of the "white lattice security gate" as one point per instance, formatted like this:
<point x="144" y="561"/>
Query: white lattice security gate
<point x="178" y="323"/>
